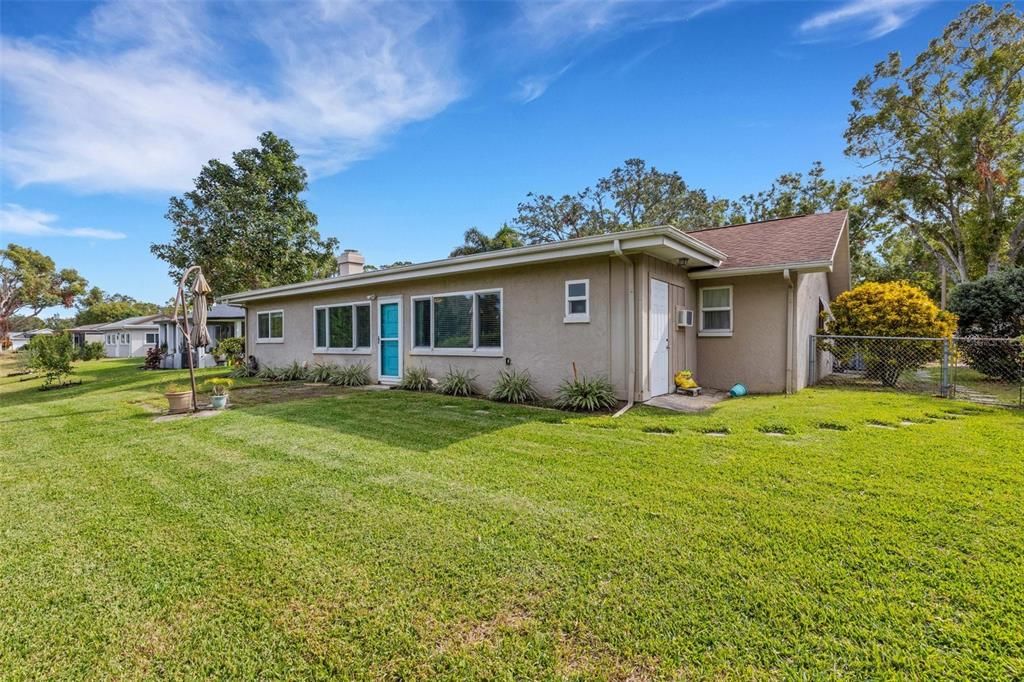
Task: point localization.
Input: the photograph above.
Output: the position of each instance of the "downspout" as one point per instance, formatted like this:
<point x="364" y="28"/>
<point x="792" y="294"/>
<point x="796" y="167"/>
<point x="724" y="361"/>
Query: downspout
<point x="630" y="330"/>
<point x="789" y="330"/>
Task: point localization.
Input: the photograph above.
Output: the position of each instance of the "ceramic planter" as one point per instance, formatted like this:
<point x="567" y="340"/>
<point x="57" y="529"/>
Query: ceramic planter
<point x="219" y="402"/>
<point x="178" y="402"/>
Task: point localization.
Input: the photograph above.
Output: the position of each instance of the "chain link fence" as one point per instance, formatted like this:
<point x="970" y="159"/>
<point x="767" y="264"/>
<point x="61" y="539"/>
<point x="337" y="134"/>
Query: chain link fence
<point x="981" y="370"/>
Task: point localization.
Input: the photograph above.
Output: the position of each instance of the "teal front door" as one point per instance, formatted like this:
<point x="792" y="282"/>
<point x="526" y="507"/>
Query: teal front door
<point x="390" y="341"/>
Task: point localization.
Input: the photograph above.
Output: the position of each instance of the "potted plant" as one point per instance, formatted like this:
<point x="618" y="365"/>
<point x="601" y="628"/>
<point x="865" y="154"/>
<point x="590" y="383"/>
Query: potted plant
<point x="179" y="398"/>
<point x="219" y="386"/>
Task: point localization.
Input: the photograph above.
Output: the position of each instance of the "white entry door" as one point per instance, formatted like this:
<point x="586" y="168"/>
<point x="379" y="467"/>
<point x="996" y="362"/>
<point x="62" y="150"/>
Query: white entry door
<point x="658" y="344"/>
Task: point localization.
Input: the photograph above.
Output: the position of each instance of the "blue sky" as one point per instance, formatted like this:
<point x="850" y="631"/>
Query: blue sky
<point x="415" y="121"/>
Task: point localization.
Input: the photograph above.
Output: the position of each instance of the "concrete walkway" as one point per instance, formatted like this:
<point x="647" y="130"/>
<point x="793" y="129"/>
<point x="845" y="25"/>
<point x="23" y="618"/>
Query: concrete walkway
<point x="685" y="403"/>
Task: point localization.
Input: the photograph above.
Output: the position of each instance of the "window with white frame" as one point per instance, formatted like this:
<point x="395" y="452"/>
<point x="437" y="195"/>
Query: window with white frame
<point x="457" y="322"/>
<point x="340" y="328"/>
<point x="151" y="338"/>
<point x="577" y="300"/>
<point x="270" y="326"/>
<point x="716" y="311"/>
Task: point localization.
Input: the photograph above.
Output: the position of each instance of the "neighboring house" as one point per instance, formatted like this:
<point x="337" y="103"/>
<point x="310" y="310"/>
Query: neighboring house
<point x="22" y="339"/>
<point x="222" y="322"/>
<point x="86" y="333"/>
<point x="129" y="338"/>
<point x="733" y="304"/>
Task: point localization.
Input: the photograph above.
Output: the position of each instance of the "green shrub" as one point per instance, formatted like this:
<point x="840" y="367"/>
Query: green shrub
<point x="293" y="372"/>
<point x="219" y="385"/>
<point x="586" y="394"/>
<point x="52" y="355"/>
<point x="415" y="379"/>
<point x="992" y="307"/>
<point x="93" y="350"/>
<point x="232" y="349"/>
<point x="458" y="382"/>
<point x="321" y="373"/>
<point x="350" y="375"/>
<point x="514" y="386"/>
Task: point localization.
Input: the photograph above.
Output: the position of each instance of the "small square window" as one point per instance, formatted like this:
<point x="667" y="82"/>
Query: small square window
<point x="716" y="311"/>
<point x="577" y="301"/>
<point x="270" y="326"/>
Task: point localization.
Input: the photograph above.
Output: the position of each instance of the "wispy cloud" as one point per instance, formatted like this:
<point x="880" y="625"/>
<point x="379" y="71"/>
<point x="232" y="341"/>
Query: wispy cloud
<point x="532" y="87"/>
<point x="151" y="91"/>
<point x="865" y="19"/>
<point x="555" y="23"/>
<point x="15" y="219"/>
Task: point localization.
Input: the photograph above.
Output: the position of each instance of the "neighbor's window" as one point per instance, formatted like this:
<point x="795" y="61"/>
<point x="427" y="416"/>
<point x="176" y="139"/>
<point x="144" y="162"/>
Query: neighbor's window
<point x="342" y="327"/>
<point x="577" y="300"/>
<point x="151" y="338"/>
<point x="716" y="311"/>
<point x="270" y="326"/>
<point x="464" y="321"/>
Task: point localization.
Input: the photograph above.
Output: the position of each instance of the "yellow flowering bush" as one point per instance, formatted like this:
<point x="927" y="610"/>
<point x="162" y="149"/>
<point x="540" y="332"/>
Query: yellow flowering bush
<point x="890" y="309"/>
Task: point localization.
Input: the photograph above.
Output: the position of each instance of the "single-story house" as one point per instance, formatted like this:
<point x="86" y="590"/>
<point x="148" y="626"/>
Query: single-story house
<point x="733" y="304"/>
<point x="86" y="333"/>
<point x="21" y="339"/>
<point x="222" y="322"/>
<point x="129" y="338"/>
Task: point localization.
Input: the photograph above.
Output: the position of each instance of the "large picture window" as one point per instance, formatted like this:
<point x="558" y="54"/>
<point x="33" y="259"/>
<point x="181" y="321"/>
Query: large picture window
<point x="716" y="311"/>
<point x="340" y="328"/>
<point x="457" y="322"/>
<point x="270" y="326"/>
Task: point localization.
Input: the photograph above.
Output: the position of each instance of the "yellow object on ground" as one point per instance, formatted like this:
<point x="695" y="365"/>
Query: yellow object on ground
<point x="684" y="379"/>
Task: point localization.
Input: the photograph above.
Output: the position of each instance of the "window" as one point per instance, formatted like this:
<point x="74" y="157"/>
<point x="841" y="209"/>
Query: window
<point x="716" y="311"/>
<point x="339" y="328"/>
<point x="270" y="326"/>
<point x="151" y="338"/>
<point x="577" y="300"/>
<point x="464" y="322"/>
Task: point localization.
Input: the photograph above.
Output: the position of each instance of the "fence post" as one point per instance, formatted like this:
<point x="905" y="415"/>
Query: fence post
<point x="944" y="373"/>
<point x="812" y="360"/>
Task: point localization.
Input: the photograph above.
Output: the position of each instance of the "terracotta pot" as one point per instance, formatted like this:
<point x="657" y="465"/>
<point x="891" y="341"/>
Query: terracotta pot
<point x="178" y="402"/>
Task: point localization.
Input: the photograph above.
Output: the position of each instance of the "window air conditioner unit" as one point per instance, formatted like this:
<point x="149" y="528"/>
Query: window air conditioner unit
<point x="684" y="317"/>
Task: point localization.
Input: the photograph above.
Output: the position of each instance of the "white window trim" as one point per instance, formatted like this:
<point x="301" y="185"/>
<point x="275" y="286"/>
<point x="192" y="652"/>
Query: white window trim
<point x="269" y="339"/>
<point x="576" y="318"/>
<point x="715" y="332"/>
<point x="476" y="350"/>
<point x="151" y="343"/>
<point x="354" y="350"/>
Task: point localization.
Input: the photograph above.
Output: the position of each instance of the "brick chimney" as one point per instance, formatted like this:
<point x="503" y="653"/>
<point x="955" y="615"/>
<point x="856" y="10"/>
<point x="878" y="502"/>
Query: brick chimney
<point x="350" y="263"/>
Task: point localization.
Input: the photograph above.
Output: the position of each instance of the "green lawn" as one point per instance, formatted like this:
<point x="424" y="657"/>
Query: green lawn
<point x="395" y="535"/>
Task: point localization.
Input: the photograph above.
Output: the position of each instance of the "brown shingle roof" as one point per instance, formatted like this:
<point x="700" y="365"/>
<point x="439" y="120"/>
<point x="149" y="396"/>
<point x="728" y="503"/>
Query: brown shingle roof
<point x="784" y="241"/>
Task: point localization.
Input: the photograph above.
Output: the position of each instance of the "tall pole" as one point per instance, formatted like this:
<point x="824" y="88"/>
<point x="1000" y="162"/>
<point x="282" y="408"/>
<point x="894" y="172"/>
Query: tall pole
<point x="942" y="277"/>
<point x="188" y="336"/>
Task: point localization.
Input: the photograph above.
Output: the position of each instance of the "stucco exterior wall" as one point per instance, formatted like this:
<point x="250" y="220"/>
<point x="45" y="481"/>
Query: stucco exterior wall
<point x="839" y="280"/>
<point x="755" y="354"/>
<point x="535" y="336"/>
<point x="812" y="292"/>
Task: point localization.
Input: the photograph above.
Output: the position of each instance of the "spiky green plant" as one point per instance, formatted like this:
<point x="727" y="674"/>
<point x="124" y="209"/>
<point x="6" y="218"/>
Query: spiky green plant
<point x="514" y="386"/>
<point x="458" y="382"/>
<point x="351" y="375"/>
<point x="586" y="394"/>
<point x="415" y="379"/>
<point x="321" y="372"/>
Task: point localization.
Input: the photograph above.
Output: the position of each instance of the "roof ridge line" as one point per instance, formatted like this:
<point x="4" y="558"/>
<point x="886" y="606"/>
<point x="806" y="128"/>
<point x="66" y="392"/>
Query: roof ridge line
<point x="769" y="220"/>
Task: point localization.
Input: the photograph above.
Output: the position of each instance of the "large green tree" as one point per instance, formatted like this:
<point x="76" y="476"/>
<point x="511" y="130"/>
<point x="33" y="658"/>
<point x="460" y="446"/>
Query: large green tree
<point x="246" y="224"/>
<point x="947" y="135"/>
<point x="97" y="307"/>
<point x="30" y="282"/>
<point x="631" y="196"/>
<point x="477" y="241"/>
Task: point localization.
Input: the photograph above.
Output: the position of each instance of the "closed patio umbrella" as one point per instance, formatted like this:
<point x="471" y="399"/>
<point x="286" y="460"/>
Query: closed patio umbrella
<point x="200" y="335"/>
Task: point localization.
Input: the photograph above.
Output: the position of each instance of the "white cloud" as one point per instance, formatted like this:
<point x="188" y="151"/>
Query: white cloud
<point x="532" y="87"/>
<point x="554" y="23"/>
<point x="151" y="91"/>
<point x="867" y="19"/>
<point x="15" y="219"/>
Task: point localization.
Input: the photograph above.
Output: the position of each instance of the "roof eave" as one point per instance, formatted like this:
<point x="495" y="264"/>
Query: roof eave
<point x="666" y="242"/>
<point x="805" y="266"/>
